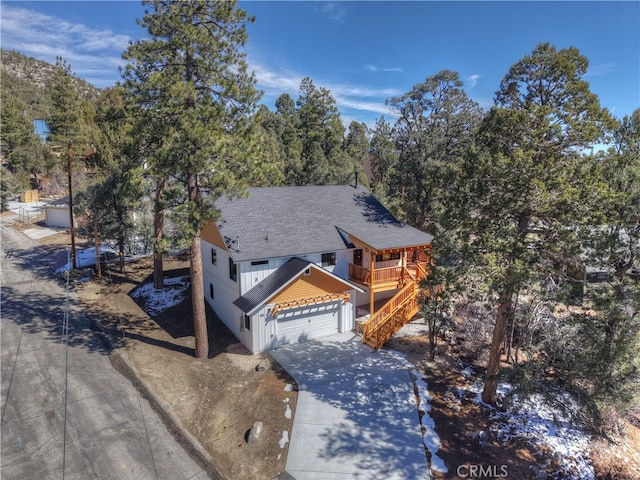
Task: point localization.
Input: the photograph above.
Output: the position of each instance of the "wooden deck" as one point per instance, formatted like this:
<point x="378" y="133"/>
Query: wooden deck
<point x="397" y="311"/>
<point x="388" y="278"/>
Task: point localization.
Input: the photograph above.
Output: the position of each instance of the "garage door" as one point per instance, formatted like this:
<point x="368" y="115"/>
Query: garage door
<point x="58" y="217"/>
<point x="305" y="323"/>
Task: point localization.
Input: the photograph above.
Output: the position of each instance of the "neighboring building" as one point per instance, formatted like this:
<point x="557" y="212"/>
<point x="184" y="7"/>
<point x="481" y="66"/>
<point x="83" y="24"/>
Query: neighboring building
<point x="288" y="264"/>
<point x="41" y="128"/>
<point x="57" y="213"/>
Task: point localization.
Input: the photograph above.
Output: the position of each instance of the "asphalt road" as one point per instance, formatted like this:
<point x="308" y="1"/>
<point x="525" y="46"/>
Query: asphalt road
<point x="66" y="412"/>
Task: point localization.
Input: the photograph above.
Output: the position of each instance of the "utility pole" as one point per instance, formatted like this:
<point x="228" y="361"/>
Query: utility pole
<point x="73" y="236"/>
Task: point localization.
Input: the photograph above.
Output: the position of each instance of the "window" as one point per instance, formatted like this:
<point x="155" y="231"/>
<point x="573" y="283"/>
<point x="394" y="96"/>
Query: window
<point x="233" y="271"/>
<point x="214" y="256"/>
<point x="383" y="257"/>
<point x="259" y="262"/>
<point x="328" y="259"/>
<point x="245" y="322"/>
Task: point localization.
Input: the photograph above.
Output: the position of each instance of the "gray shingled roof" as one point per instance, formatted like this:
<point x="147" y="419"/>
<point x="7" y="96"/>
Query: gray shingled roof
<point x="286" y="221"/>
<point x="271" y="284"/>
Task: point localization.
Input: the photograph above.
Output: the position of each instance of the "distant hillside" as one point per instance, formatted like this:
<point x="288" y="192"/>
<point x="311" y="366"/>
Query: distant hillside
<point x="26" y="78"/>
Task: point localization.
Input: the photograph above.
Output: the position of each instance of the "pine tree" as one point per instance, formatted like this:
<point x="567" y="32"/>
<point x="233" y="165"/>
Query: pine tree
<point x="191" y="76"/>
<point x="26" y="155"/>
<point x="435" y="126"/>
<point x="518" y="194"/>
<point x="610" y="334"/>
<point x="117" y="185"/>
<point x="322" y="133"/>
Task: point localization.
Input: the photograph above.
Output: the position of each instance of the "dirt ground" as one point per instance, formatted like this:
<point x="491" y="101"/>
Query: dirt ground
<point x="216" y="401"/>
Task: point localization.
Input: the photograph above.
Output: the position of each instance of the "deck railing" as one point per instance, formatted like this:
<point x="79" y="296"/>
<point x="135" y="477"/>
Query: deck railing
<point x="405" y="294"/>
<point x="388" y="274"/>
<point x="380" y="275"/>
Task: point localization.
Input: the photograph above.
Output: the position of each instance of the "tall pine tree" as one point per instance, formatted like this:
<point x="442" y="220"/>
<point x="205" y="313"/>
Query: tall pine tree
<point x="191" y="76"/>
<point x="518" y="193"/>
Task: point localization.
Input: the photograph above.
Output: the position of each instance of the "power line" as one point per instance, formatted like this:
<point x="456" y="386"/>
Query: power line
<point x="65" y="335"/>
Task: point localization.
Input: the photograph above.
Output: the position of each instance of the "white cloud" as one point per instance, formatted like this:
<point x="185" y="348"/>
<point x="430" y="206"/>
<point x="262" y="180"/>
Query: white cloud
<point x="472" y="80"/>
<point x="362" y="105"/>
<point x="354" y="97"/>
<point x="94" y="54"/>
<point x="602" y="69"/>
<point x="336" y="11"/>
<point x="374" y="68"/>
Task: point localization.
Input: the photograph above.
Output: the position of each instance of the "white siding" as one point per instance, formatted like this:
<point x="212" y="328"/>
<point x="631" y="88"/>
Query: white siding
<point x="263" y="333"/>
<point x="254" y="274"/>
<point x="225" y="292"/>
<point x="343" y="259"/>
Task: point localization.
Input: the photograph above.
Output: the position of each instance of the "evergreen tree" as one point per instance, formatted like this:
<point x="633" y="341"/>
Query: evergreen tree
<point x="26" y="155"/>
<point x="117" y="185"/>
<point x="518" y="193"/>
<point x="384" y="156"/>
<point x="291" y="144"/>
<point x="610" y="338"/>
<point x="71" y="115"/>
<point x="191" y="76"/>
<point x="356" y="145"/>
<point x="322" y="133"/>
<point x="435" y="126"/>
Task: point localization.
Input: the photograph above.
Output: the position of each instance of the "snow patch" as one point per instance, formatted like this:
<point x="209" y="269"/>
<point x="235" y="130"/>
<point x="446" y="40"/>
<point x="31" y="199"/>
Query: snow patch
<point x="288" y="387"/>
<point x="543" y="424"/>
<point x="467" y="372"/>
<point x="413" y="330"/>
<point x="430" y="438"/>
<point x="287" y="412"/>
<point x="157" y="301"/>
<point x="285" y="439"/>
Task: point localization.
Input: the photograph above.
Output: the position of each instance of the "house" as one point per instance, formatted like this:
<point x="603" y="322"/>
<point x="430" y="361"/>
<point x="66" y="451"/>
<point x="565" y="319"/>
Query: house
<point x="288" y="264"/>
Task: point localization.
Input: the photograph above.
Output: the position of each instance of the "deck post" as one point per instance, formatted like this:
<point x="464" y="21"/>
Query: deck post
<point x="372" y="260"/>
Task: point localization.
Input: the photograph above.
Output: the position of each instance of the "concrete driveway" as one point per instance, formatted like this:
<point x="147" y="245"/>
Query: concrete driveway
<point x="356" y="415"/>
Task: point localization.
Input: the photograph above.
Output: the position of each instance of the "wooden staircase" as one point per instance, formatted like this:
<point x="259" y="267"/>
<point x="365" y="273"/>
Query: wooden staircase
<point x="398" y="311"/>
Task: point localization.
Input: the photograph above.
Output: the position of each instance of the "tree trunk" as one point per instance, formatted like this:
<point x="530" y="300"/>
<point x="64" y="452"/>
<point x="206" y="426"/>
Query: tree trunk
<point x="158" y="225"/>
<point x="97" y="245"/>
<point x="121" y="237"/>
<point x="493" y="364"/>
<point x="121" y="254"/>
<point x="197" y="279"/>
<point x="511" y="327"/>
<point x="197" y="300"/>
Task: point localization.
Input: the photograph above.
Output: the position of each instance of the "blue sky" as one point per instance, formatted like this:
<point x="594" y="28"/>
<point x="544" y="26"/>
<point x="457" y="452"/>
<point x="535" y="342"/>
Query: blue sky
<point x="363" y="52"/>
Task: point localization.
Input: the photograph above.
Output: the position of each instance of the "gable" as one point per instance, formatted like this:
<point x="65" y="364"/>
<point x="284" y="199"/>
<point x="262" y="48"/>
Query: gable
<point x="287" y="276"/>
<point x="211" y="234"/>
<point x="315" y="284"/>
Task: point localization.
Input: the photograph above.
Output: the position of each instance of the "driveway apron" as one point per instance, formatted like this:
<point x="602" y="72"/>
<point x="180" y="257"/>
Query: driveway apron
<point x="356" y="415"/>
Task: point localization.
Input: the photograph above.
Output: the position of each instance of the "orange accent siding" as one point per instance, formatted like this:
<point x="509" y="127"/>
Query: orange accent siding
<point x="315" y="284"/>
<point x="211" y="234"/>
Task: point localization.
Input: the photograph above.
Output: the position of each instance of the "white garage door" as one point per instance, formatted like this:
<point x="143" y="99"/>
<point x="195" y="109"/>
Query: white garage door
<point x="300" y="324"/>
<point x="58" y="217"/>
